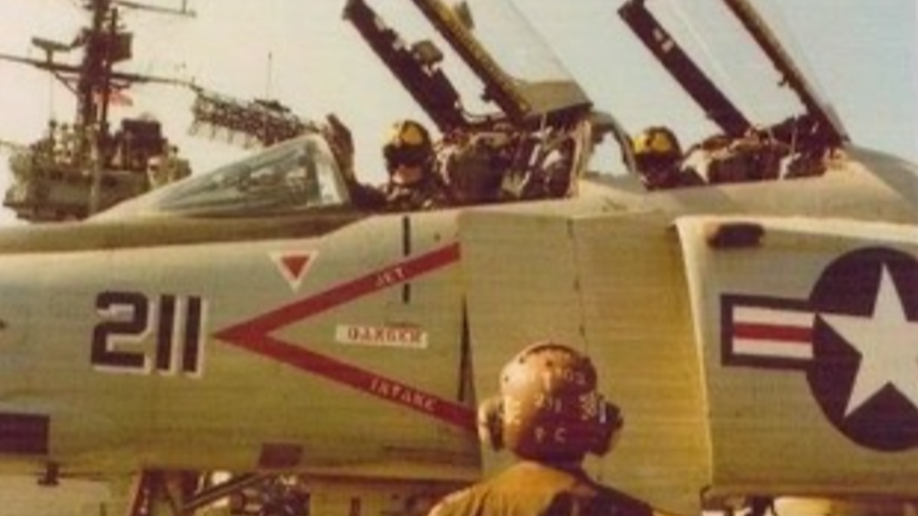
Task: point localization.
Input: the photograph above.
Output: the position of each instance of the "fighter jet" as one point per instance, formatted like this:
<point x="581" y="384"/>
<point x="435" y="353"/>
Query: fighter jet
<point x="755" y="323"/>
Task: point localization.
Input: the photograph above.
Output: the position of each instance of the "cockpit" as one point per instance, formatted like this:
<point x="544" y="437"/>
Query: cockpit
<point x="296" y="175"/>
<point x="770" y="121"/>
<point x="531" y="139"/>
<point x="538" y="131"/>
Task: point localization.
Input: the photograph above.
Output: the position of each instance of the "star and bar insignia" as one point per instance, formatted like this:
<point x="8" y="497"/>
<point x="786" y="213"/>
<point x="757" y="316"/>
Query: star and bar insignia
<point x="855" y="338"/>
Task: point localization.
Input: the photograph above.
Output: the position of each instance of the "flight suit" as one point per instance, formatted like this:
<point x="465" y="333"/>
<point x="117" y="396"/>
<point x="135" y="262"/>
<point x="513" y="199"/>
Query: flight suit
<point x="533" y="489"/>
<point x="665" y="179"/>
<point x="429" y="193"/>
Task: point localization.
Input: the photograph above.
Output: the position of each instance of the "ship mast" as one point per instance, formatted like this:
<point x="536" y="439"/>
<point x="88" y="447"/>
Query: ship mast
<point x="94" y="91"/>
<point x="88" y="145"/>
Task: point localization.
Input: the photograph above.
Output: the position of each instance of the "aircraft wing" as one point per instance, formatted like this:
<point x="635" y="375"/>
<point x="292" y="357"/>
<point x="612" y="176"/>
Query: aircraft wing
<point x="807" y="337"/>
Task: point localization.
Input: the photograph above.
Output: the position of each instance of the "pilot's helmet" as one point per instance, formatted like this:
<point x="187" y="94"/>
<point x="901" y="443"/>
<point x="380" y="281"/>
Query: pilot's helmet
<point x="548" y="408"/>
<point x="656" y="147"/>
<point x="408" y="144"/>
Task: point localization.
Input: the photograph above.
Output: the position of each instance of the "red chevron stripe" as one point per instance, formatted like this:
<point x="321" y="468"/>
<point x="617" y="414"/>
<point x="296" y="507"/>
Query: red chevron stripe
<point x="254" y="335"/>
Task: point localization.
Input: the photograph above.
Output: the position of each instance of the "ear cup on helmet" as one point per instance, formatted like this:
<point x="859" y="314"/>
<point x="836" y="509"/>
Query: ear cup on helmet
<point x="609" y="422"/>
<point x="491" y="422"/>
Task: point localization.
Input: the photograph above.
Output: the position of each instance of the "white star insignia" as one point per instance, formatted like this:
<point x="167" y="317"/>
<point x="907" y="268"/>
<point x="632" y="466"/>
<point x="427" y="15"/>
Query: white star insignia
<point x="888" y="344"/>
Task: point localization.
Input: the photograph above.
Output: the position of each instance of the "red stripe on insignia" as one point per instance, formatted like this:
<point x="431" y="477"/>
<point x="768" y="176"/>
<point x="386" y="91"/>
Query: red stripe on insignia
<point x="253" y="335"/>
<point x="761" y="331"/>
<point x="788" y="334"/>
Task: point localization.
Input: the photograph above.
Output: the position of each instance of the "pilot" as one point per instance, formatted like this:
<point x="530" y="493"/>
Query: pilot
<point x="658" y="157"/>
<point x="413" y="182"/>
<point x="549" y="415"/>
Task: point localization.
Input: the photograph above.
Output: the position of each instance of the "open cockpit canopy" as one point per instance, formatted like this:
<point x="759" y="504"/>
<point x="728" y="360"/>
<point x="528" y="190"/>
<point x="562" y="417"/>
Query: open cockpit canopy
<point x="470" y="63"/>
<point x="738" y="65"/>
<point x="293" y="176"/>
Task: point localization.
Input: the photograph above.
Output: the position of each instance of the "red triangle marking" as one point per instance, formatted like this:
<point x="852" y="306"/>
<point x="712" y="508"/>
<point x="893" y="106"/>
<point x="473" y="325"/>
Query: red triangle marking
<point x="296" y="264"/>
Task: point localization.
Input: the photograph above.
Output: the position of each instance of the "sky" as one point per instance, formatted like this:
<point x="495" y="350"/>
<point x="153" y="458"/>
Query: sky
<point x="863" y="55"/>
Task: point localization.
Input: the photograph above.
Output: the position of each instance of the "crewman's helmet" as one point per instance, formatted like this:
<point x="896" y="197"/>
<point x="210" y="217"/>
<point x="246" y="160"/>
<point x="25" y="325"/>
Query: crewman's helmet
<point x="656" y="147"/>
<point x="548" y="409"/>
<point x="408" y="144"/>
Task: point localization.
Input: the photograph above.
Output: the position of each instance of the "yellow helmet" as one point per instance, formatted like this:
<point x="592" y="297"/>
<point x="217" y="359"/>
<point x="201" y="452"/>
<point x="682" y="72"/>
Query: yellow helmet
<point x="408" y="144"/>
<point x="655" y="146"/>
<point x="548" y="408"/>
